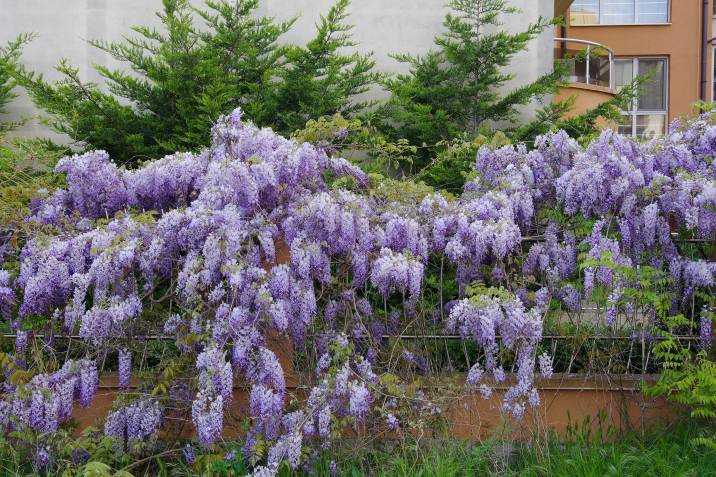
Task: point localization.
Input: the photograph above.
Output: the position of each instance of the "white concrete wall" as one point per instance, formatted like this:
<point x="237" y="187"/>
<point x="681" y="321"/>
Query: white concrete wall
<point x="381" y="26"/>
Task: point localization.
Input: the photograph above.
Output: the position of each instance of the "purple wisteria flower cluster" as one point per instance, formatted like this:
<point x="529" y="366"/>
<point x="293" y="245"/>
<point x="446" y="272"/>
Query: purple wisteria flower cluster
<point x="46" y="401"/>
<point x="482" y="319"/>
<point x="135" y="422"/>
<point x="252" y="239"/>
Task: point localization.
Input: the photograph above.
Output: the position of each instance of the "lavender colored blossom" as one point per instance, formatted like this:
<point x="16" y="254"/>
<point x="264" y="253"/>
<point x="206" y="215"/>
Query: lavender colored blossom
<point x="215" y="373"/>
<point x="207" y="413"/>
<point x="706" y="322"/>
<point x="248" y="239"/>
<point x="21" y="342"/>
<point x="125" y="368"/>
<point x="42" y="458"/>
<point x="80" y="456"/>
<point x="189" y="454"/>
<point x="545" y="365"/>
<point x="134" y="422"/>
<point x="397" y="272"/>
<point x="474" y="376"/>
<point x="360" y="400"/>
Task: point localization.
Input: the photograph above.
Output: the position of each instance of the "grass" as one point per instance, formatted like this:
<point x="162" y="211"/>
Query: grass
<point x="669" y="453"/>
<point x="666" y="453"/>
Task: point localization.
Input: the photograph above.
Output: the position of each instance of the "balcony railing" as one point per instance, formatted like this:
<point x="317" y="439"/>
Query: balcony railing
<point x="587" y="62"/>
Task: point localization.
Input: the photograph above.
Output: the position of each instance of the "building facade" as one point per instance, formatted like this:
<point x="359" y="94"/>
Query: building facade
<point x="667" y="41"/>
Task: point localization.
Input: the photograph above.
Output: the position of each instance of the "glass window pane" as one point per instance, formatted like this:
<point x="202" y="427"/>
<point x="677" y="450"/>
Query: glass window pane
<point x="650" y="126"/>
<point x="600" y="71"/>
<point x="653" y="92"/>
<point x="584" y="12"/>
<point x="653" y="11"/>
<point x="625" y="126"/>
<point x="623" y="73"/>
<point x="617" y="12"/>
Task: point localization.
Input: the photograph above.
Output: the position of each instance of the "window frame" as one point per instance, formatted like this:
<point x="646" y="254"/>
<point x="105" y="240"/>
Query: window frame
<point x="713" y="70"/>
<point x="634" y="23"/>
<point x="635" y="111"/>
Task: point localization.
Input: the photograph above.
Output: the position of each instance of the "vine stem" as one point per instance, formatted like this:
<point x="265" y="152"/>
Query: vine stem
<point x="147" y="459"/>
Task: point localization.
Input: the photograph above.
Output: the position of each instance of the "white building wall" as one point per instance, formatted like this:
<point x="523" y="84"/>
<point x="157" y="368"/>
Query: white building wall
<point x="381" y="26"/>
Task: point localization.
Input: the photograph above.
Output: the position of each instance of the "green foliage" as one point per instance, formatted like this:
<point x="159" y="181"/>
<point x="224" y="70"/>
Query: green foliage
<point x="667" y="452"/>
<point x="688" y="376"/>
<point x="454" y="89"/>
<point x="25" y="169"/>
<point x="454" y="162"/>
<point x="352" y="138"/>
<point x="585" y="126"/>
<point x="319" y="79"/>
<point x="177" y="80"/>
<point x="9" y="58"/>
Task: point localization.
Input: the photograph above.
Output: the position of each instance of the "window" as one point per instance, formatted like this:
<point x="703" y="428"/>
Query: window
<point x="647" y="116"/>
<point x="584" y="12"/>
<point x="713" y="74"/>
<point x="618" y="12"/>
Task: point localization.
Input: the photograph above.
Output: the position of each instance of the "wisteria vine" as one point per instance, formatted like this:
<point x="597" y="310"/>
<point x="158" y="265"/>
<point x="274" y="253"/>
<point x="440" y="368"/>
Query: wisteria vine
<point x="205" y="232"/>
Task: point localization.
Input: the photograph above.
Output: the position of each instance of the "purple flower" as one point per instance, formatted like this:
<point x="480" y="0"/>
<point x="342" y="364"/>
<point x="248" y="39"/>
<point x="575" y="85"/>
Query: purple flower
<point x="474" y="376"/>
<point x="80" y="456"/>
<point x="207" y="413"/>
<point x="545" y="365"/>
<point x="87" y="382"/>
<point x="215" y="373"/>
<point x="135" y="422"/>
<point x="360" y="400"/>
<point x="542" y="299"/>
<point x="705" y="329"/>
<point x="571" y="298"/>
<point x="21" y="342"/>
<point x="125" y="368"/>
<point x="392" y="421"/>
<point x="397" y="272"/>
<point x="189" y="454"/>
<point x="42" y="458"/>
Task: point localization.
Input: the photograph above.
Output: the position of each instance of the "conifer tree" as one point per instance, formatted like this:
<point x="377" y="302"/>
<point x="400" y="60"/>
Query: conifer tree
<point x="455" y="88"/>
<point x="320" y="79"/>
<point x="9" y="58"/>
<point x="176" y="80"/>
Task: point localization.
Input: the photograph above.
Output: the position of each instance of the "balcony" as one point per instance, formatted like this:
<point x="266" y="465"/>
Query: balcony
<point x="590" y="69"/>
<point x="588" y="62"/>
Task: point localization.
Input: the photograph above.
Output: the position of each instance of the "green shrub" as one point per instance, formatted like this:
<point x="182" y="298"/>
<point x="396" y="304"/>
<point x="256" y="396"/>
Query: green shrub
<point x="9" y="58"/>
<point x="688" y="373"/>
<point x="454" y="89"/>
<point x="185" y="75"/>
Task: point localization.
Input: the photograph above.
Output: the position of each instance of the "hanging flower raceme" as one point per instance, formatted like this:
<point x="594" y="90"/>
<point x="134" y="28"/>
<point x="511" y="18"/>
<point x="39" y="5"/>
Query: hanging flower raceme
<point x="397" y="272"/>
<point x="251" y="239"/>
<point x="493" y="320"/>
<point x="46" y="401"/>
<point x="135" y="422"/>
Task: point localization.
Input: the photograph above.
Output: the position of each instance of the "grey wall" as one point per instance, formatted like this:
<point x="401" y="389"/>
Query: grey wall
<point x="382" y="26"/>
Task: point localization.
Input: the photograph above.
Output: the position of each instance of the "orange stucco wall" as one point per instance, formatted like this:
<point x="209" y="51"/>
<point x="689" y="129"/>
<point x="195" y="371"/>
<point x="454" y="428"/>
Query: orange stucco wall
<point x="586" y="97"/>
<point x="679" y="41"/>
<point x="560" y="6"/>
<point x="566" y="400"/>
